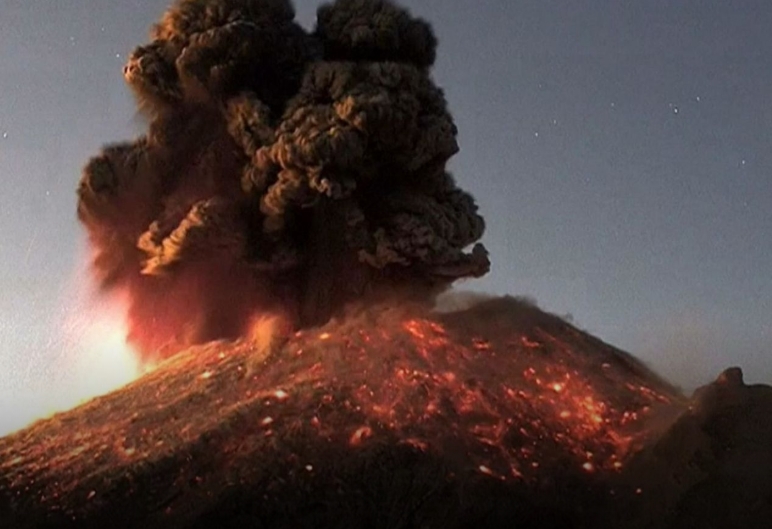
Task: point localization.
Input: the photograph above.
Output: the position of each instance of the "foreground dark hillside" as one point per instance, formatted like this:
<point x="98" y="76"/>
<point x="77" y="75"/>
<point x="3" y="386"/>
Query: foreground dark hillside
<point x="496" y="416"/>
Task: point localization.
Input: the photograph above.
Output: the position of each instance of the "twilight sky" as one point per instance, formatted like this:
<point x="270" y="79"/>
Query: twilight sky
<point x="620" y="152"/>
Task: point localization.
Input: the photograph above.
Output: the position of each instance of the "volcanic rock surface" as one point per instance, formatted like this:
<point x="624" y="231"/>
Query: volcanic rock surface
<point x="495" y="416"/>
<point x="390" y="417"/>
<point x="713" y="467"/>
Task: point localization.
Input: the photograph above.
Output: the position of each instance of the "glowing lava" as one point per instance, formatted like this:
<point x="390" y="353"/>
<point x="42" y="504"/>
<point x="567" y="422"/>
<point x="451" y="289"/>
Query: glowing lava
<point x="498" y="392"/>
<point x="508" y="403"/>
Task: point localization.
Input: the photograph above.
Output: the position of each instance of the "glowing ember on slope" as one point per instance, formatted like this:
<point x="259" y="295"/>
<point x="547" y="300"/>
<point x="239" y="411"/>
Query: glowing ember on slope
<point x="463" y="390"/>
<point x="511" y="405"/>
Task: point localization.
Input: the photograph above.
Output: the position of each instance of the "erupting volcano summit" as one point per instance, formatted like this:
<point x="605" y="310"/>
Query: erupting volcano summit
<point x="282" y="171"/>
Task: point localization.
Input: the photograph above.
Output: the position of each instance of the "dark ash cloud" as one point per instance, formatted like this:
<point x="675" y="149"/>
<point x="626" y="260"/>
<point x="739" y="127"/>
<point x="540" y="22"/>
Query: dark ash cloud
<point x="281" y="171"/>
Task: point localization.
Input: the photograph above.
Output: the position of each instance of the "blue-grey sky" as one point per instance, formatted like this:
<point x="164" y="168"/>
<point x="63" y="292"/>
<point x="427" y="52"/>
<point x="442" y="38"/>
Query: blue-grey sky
<point x="620" y="151"/>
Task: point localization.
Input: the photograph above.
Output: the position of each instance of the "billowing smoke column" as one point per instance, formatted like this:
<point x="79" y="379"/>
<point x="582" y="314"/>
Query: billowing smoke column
<point x="282" y="171"/>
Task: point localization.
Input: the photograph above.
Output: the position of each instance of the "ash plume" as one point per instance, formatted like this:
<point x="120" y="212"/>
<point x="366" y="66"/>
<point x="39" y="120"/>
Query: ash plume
<point x="282" y="171"/>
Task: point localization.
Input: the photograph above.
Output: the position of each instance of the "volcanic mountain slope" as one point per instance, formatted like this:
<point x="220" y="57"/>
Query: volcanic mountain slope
<point x="390" y="417"/>
<point x="713" y="467"/>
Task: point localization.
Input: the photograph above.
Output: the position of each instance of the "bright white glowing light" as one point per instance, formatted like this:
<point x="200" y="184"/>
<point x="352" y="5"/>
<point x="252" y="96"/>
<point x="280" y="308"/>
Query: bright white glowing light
<point x="91" y="357"/>
<point x="104" y="361"/>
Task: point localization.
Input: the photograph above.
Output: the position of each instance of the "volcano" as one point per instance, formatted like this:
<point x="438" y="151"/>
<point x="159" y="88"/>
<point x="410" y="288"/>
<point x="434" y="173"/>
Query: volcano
<point x="394" y="416"/>
<point x="490" y="416"/>
<point x="280" y="235"/>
